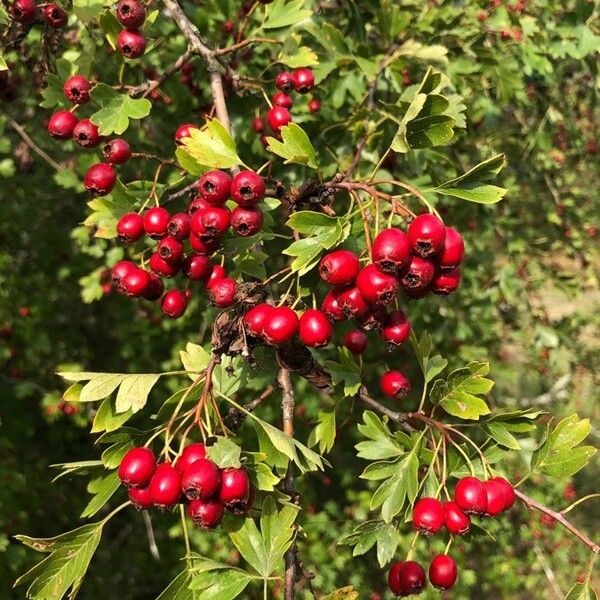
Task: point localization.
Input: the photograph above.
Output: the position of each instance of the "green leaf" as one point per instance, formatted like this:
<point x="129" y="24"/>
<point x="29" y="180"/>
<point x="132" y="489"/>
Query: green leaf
<point x="87" y="10"/>
<point x="116" y="109"/>
<point x="133" y="392"/>
<point x="82" y="467"/>
<point x="346" y="371"/>
<point x="107" y="211"/>
<point x="194" y="359"/>
<point x="53" y="92"/>
<point x="284" y="13"/>
<point x="582" y="591"/>
<point x="458" y="394"/>
<point x="500" y="434"/>
<point x="345" y="593"/>
<point x="224" y="584"/>
<point x="3" y="65"/>
<point x="431" y="366"/>
<point x="381" y="444"/>
<point x="567" y="462"/>
<point x="103" y="489"/>
<point x="295" y="147"/>
<point x="369" y="533"/>
<point x="324" y="433"/>
<point x="225" y="453"/>
<point x="262" y="476"/>
<point x="179" y="588"/>
<point x="301" y="56"/>
<point x="212" y="146"/>
<point x="106" y="417"/>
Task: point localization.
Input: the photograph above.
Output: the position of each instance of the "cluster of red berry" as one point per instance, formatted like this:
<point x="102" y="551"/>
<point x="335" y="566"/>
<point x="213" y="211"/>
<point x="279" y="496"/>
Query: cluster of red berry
<point x="25" y="11"/>
<point x="131" y="41"/>
<point x="471" y="496"/>
<point x="192" y="479"/>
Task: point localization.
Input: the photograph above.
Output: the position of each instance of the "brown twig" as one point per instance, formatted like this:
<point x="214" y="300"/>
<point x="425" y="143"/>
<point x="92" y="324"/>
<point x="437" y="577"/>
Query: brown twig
<point x="147" y="88"/>
<point x="182" y="192"/>
<point x="33" y="145"/>
<point x="243" y="43"/>
<point x="162" y="161"/>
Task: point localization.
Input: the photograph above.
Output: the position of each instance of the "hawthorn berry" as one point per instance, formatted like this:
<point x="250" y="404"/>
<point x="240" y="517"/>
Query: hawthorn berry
<point x="247" y="188"/>
<point x="494" y="492"/>
<point x="508" y="491"/>
<point x="174" y="303"/>
<point x="256" y="317"/>
<point x="246" y="221"/>
<point x="179" y="226"/>
<point x="235" y="489"/>
<point x="351" y="302"/>
<point x="170" y="250"/>
<point x="282" y="99"/>
<point x="394" y="384"/>
<point x="228" y="26"/>
<point x="373" y="318"/>
<point x="61" y="125"/>
<point x="314" y="106"/>
<point x="191" y="453"/>
<point x="55" y="16"/>
<point x="356" y="341"/>
<point x="100" y="179"/>
<point x="86" y="134"/>
<point x="428" y="515"/>
<point x="119" y="270"/>
<point x="426" y="235"/>
<point x="165" y="486"/>
<point x="215" y="187"/>
<point x="163" y="267"/>
<point x="280" y="326"/>
<point x="391" y="251"/>
<point x="205" y="513"/>
<point x="197" y="267"/>
<point x="339" y="267"/>
<point x="184" y="131"/>
<point x="396" y="328"/>
<point x="394" y="578"/>
<point x="443" y="572"/>
<point x="419" y="275"/>
<point x="135" y="283"/>
<point x="215" y="220"/>
<point x="285" y="82"/>
<point x="456" y="521"/>
<point x="131" y="43"/>
<point x="195" y="205"/>
<point x="222" y="293"/>
<point x="470" y="495"/>
<point x="116" y="152"/>
<point x="406" y="578"/>
<point x="130" y="227"/>
<point x="376" y="286"/>
<point x="314" y="328"/>
<point x="304" y="80"/>
<point x="77" y="89"/>
<point x="278" y="117"/>
<point x="218" y="272"/>
<point x="156" y="221"/>
<point x="331" y="307"/>
<point x="141" y="498"/>
<point x="453" y="250"/>
<point x="258" y="125"/>
<point x="155" y="289"/>
<point x="131" y="13"/>
<point x="23" y="11"/>
<point x="446" y="282"/>
<point x="137" y="467"/>
<point x="201" y="479"/>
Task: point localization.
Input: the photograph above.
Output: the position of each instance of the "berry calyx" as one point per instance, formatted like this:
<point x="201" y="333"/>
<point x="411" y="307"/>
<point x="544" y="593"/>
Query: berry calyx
<point x="131" y="13"/>
<point x="205" y="513"/>
<point x="206" y="246"/>
<point x="184" y="131"/>
<point x="247" y="188"/>
<point x="376" y="286"/>
<point x="419" y="275"/>
<point x="278" y="117"/>
<point x="443" y="572"/>
<point x="391" y="251"/>
<point x="234" y="490"/>
<point x="131" y="43"/>
<point x="179" y="226"/>
<point x="352" y="303"/>
<point x="130" y="227"/>
<point x="456" y="521"/>
<point x="174" y="303"/>
<point x="165" y="486"/>
<point x="255" y="318"/>
<point x="470" y="495"/>
<point x="246" y="221"/>
<point x="191" y="453"/>
<point x="222" y="293"/>
<point x="282" y="99"/>
<point x="86" y="134"/>
<point x="195" y="205"/>
<point x="304" y="80"/>
<point x="394" y="384"/>
<point x="426" y="235"/>
<point x="137" y="467"/>
<point x="453" y="251"/>
<point x="215" y="187"/>
<point x="61" y="125"/>
<point x="373" y="318"/>
<point x="314" y="328"/>
<point x="356" y="341"/>
<point x="77" y="89"/>
<point x="170" y="250"/>
<point x="23" y="11"/>
<point x="446" y="282"/>
<point x="281" y="326"/>
<point x="156" y="221"/>
<point x="396" y="328"/>
<point x="100" y="179"/>
<point x="116" y="152"/>
<point x="141" y="498"/>
<point x="197" y="267"/>
<point x="285" y="82"/>
<point x="201" y="479"/>
<point x="339" y="267"/>
<point x="55" y="16"/>
<point x="428" y="516"/>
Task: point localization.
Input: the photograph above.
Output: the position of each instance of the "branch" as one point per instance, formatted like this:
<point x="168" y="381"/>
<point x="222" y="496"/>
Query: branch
<point x="33" y="145"/>
<point x="147" y="88"/>
<point x="242" y="44"/>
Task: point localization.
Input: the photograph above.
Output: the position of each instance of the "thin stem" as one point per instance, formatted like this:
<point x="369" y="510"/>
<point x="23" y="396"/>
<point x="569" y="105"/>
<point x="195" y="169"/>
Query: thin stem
<point x="24" y="135"/>
<point x="186" y="535"/>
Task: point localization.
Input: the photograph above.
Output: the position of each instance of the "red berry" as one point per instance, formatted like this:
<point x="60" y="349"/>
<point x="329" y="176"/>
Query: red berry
<point x="135" y="283"/>
<point x="23" y="11"/>
<point x="419" y="275"/>
<point x="443" y="572"/>
<point x="256" y="317"/>
<point x="278" y="117"/>
<point x="453" y="251"/>
<point x="174" y="303"/>
<point x="314" y="328"/>
<point x="222" y="293"/>
<point x="314" y="105"/>
<point x="118" y="272"/>
<point x="235" y="489"/>
<point x="282" y="99"/>
<point x="205" y="513"/>
<point x="281" y="325"/>
<point x="86" y="134"/>
<point x="356" y="341"/>
<point x="391" y="251"/>
<point x="304" y="80"/>
<point x="162" y="267"/>
<point x="214" y="221"/>
<point x="61" y="125"/>
<point x="258" y="125"/>
<point x="197" y="267"/>
<point x="141" y="498"/>
<point x="228" y="26"/>
<point x="100" y="179"/>
<point x="456" y="521"/>
<point x="170" y="250"/>
<point x="131" y="43"/>
<point x="247" y="188"/>
<point x="218" y="272"/>
<point x="376" y="286"/>
<point x="396" y="328"/>
<point x="426" y="235"/>
<point x="155" y="289"/>
<point x="55" y="16"/>
<point x="408" y="578"/>
<point x="130" y="227"/>
<point x="131" y="13"/>
<point x="116" y="152"/>
<point x="201" y="479"/>
<point x="339" y="267"/>
<point x="165" y="486"/>
<point x="352" y="303"/>
<point x="446" y="282"/>
<point x="374" y="318"/>
<point x="184" y="131"/>
<point x="508" y="491"/>
<point x="494" y="492"/>
<point x="428" y="515"/>
<point x="394" y="384"/>
<point x="191" y="453"/>
<point x="470" y="495"/>
<point x="195" y="205"/>
<point x="137" y="467"/>
<point x="179" y="226"/>
<point x="394" y="578"/>
<point x="215" y="187"/>
<point x="285" y="82"/>
<point x="331" y="307"/>
<point x="77" y="89"/>
<point x="156" y="221"/>
<point x="246" y="221"/>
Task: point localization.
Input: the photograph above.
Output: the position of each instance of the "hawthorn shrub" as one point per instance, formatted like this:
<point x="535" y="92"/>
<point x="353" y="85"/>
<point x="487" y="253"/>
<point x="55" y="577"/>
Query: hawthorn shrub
<point x="338" y="225"/>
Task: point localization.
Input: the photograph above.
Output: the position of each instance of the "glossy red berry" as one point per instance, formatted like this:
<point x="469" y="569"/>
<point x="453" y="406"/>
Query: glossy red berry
<point x="373" y="319"/>
<point x="494" y="492"/>
<point x="86" y="134"/>
<point x="446" y="282"/>
<point x="406" y="578"/>
<point x="222" y="293"/>
<point x="281" y="326"/>
<point x="282" y="99"/>
<point x="201" y="479"/>
<point x="314" y="106"/>
<point x="116" y="152"/>
<point x="130" y="227"/>
<point x="137" y="467"/>
<point x="396" y="328"/>
<point x="456" y="521"/>
<point x="352" y="303"/>
<point x="394" y="384"/>
<point x="428" y="516"/>
<point x="218" y="272"/>
<point x="131" y="43"/>
<point x="470" y="495"/>
<point x="195" y="205"/>
<point x="285" y="82"/>
<point x="141" y="498"/>
<point x="247" y="188"/>
<point x="174" y="303"/>
<point x="394" y="578"/>
<point x="206" y="246"/>
<point x="191" y="453"/>
<point x="235" y="489"/>
<point x="215" y="187"/>
<point x="155" y="289"/>
<point x="179" y="226"/>
<point x="156" y="221"/>
<point x="215" y="220"/>
<point x="55" y="16"/>
<point x="508" y="491"/>
<point x="165" y="486"/>
<point x="118" y="272"/>
<point x="339" y="267"/>
<point x="131" y="13"/>
<point x="61" y="125"/>
<point x="426" y="235"/>
<point x="205" y="513"/>
<point x="23" y="11"/>
<point x="100" y="179"/>
<point x="391" y="251"/>
<point x="443" y="572"/>
<point x="331" y="307"/>
<point x="197" y="267"/>
<point x="314" y="328"/>
<point x="278" y="117"/>
<point x="376" y="286"/>
<point x="135" y="283"/>
<point x="419" y="275"/>
<point x="246" y="221"/>
<point x="453" y="251"/>
<point x="184" y="131"/>
<point x="162" y="267"/>
<point x="256" y="317"/>
<point x="77" y="89"/>
<point x="356" y="341"/>
<point x="170" y="250"/>
<point x="258" y="125"/>
<point x="304" y="80"/>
